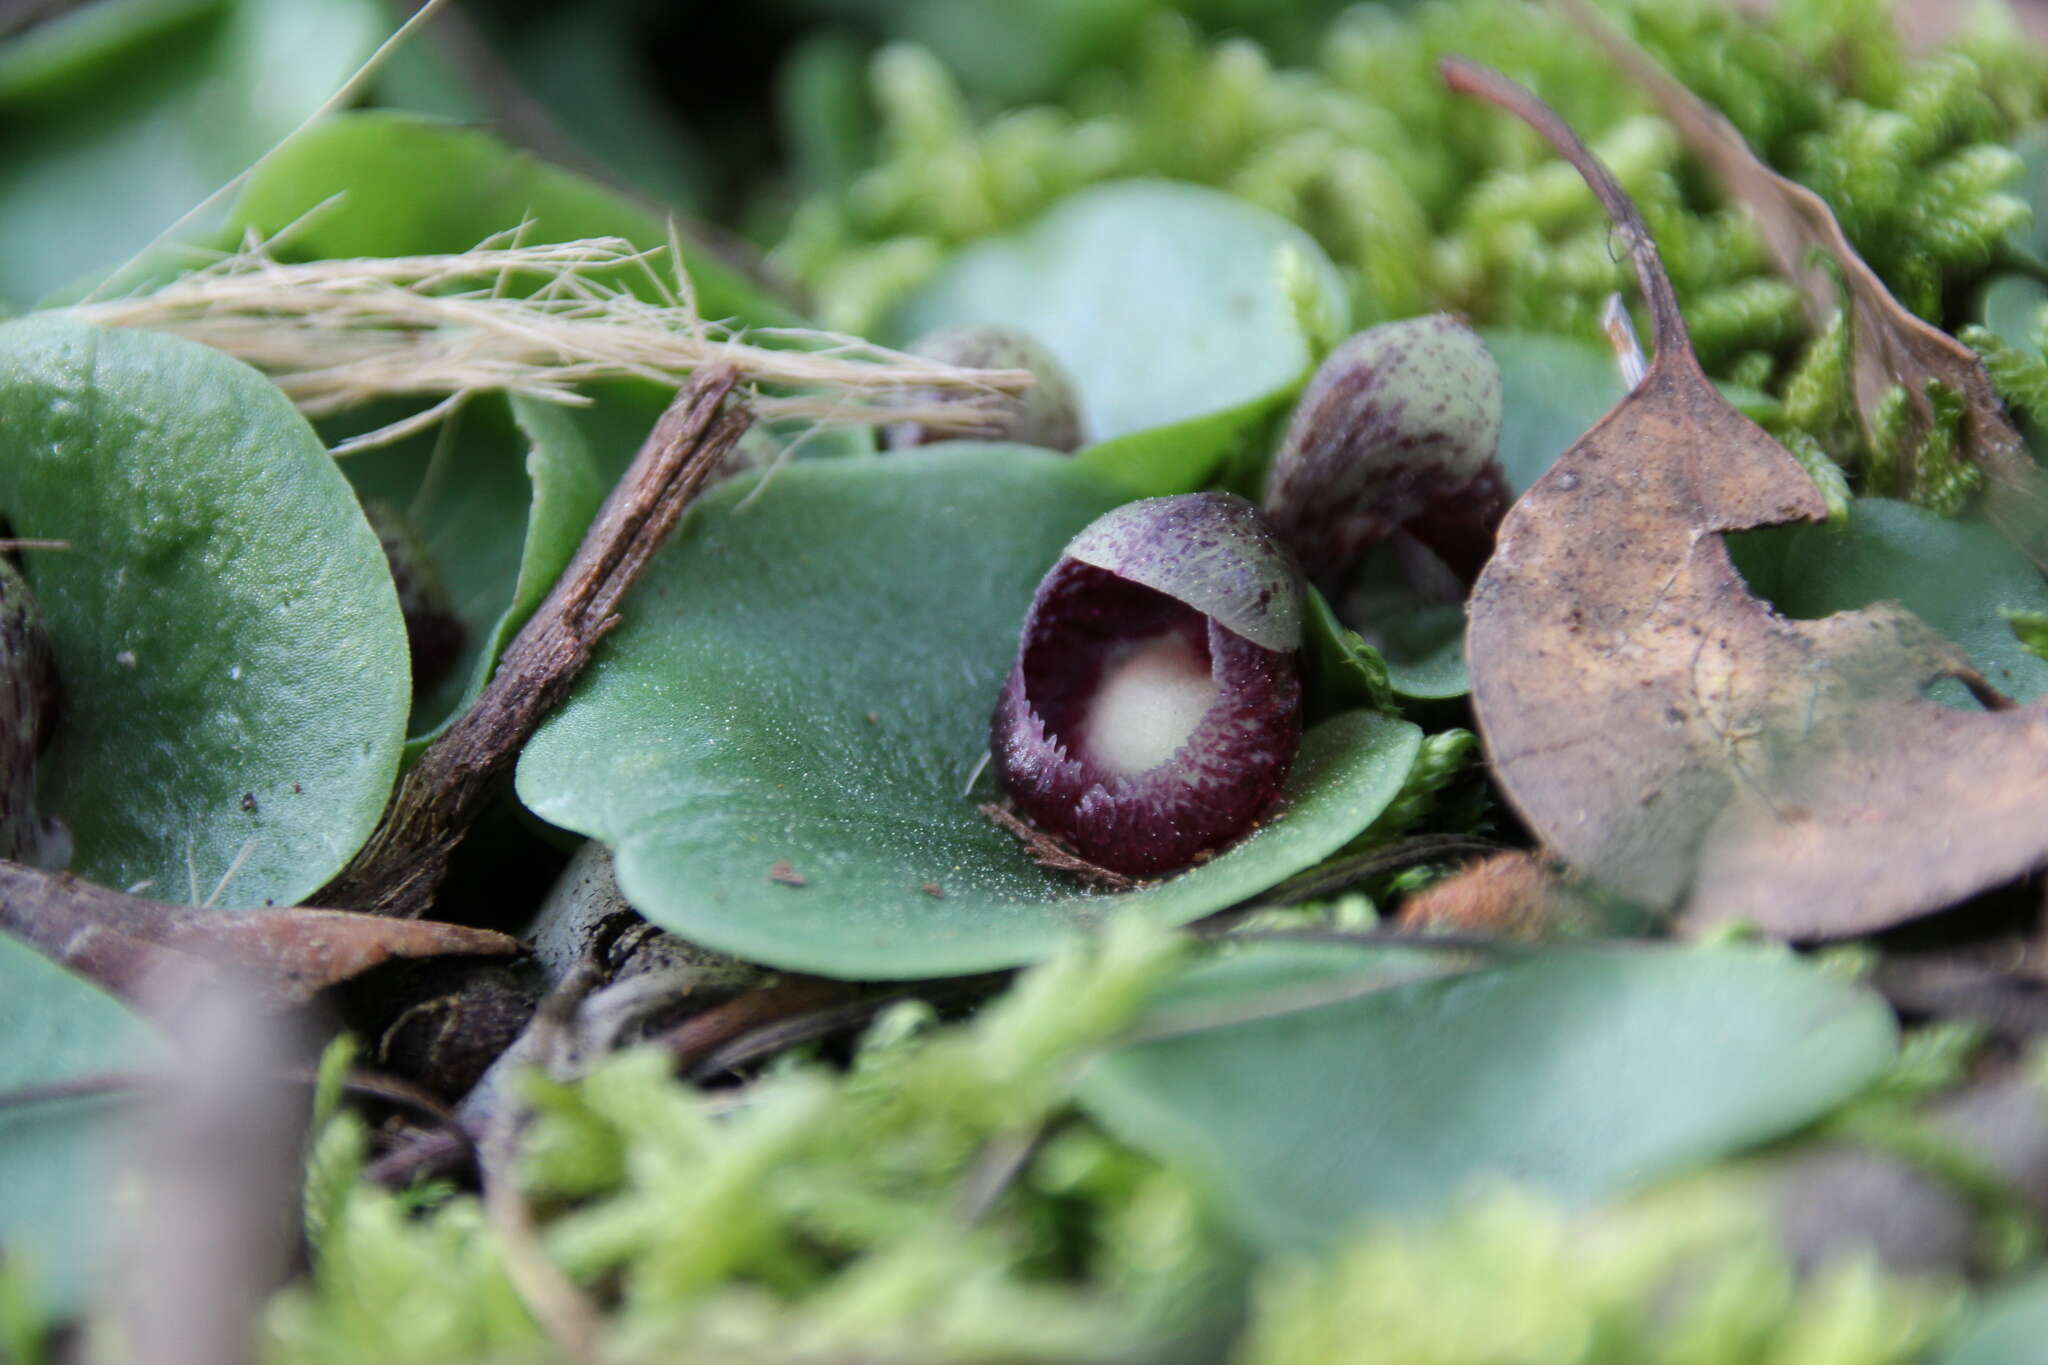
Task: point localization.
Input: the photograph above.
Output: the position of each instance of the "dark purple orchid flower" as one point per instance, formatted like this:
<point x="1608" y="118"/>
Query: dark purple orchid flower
<point x="1394" y="437"/>
<point x="1155" y="705"/>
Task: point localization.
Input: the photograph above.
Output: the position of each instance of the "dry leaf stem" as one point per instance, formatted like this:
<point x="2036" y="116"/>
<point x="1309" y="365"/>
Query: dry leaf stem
<point x="1892" y="348"/>
<point x="564" y="1312"/>
<point x="125" y="942"/>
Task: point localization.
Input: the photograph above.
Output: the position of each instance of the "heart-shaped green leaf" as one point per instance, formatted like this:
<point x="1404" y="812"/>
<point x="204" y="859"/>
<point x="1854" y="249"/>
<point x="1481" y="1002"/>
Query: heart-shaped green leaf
<point x="1164" y="301"/>
<point x="498" y="527"/>
<point x="807" y="681"/>
<point x="1584" y="1073"/>
<point x="412" y="186"/>
<point x="227" y="638"/>
<point x="2007" y="1328"/>
<point x="1421" y="638"/>
<point x="1185" y="457"/>
<point x="2011" y="307"/>
<point x="1958" y="576"/>
<point x="2028" y="239"/>
<point x="109" y="141"/>
<point x="55" y="1154"/>
<point x="1553" y="389"/>
<point x="65" y="47"/>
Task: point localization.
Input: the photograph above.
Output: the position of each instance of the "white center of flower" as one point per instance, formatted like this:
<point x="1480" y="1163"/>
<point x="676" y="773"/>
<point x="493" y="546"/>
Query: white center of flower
<point x="1150" y="700"/>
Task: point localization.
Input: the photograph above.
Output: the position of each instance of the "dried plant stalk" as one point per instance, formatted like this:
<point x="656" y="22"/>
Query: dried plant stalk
<point x="535" y="319"/>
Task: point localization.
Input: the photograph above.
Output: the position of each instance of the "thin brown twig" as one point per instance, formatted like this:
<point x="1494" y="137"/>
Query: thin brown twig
<point x="702" y="1036"/>
<point x="359" y="1083"/>
<point x="1282" y="1001"/>
<point x="435" y="1152"/>
<point x="996" y="1167"/>
<point x="1341" y="874"/>
<point x="795" y="1011"/>
<point x="399" y="869"/>
<point x="568" y="1317"/>
<point x="1667" y="324"/>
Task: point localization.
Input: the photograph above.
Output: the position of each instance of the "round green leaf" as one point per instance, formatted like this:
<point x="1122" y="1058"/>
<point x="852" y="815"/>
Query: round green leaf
<point x="1343" y="670"/>
<point x="807" y="680"/>
<point x="1421" y="638"/>
<point x="1164" y="301"/>
<point x="1553" y="389"/>
<point x="1584" y="1073"/>
<point x="1958" y="576"/>
<point x="2007" y="1328"/>
<point x="2011" y="307"/>
<point x="55" y="1155"/>
<point x="1424" y="646"/>
<point x="67" y="46"/>
<point x="1182" y="457"/>
<point x="226" y="633"/>
<point x="2028" y="239"/>
<point x="115" y="145"/>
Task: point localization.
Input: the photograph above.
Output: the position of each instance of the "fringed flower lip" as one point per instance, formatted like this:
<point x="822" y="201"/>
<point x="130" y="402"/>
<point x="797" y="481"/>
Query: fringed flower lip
<point x="1154" y="708"/>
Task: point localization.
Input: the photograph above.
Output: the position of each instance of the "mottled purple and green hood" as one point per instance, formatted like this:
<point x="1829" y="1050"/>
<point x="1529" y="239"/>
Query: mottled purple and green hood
<point x="1155" y="705"/>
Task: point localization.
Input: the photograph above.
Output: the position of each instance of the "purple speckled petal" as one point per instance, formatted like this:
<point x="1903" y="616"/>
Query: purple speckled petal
<point x="1212" y="551"/>
<point x="1088" y="621"/>
<point x="1397" y="429"/>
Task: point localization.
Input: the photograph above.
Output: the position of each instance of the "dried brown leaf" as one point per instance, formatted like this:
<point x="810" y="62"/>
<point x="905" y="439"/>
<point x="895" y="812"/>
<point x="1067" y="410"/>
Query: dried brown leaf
<point x="1673" y="737"/>
<point x="286" y="956"/>
<point x="1891" y="347"/>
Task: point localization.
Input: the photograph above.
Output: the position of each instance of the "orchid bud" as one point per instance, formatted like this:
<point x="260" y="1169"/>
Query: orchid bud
<point x="1045" y="415"/>
<point x="1396" y="432"/>
<point x="1155" y="705"/>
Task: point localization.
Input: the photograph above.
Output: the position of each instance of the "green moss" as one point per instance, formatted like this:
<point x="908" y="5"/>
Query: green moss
<point x="2030" y="628"/>
<point x="2020" y="375"/>
<point x="1444" y="758"/>
<point x="816" y="1214"/>
<point x="1827" y="476"/>
<point x="1427" y="201"/>
<point x="1691" y="1276"/>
